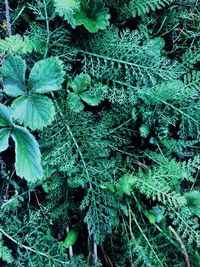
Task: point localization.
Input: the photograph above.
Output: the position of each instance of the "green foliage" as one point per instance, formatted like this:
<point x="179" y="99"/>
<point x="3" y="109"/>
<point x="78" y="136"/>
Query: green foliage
<point x="20" y="44"/>
<point x="92" y="15"/>
<point x="70" y="239"/>
<point x="5" y="253"/>
<point x="135" y="61"/>
<point x="80" y="93"/>
<point x="30" y="107"/>
<point x="193" y="201"/>
<point x="67" y="9"/>
<point x="28" y="157"/>
<point x="117" y="110"/>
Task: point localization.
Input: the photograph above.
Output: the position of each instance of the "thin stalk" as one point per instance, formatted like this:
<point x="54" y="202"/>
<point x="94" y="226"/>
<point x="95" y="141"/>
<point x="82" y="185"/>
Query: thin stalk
<point x="9" y="31"/>
<point x="29" y="248"/>
<point x="48" y="28"/>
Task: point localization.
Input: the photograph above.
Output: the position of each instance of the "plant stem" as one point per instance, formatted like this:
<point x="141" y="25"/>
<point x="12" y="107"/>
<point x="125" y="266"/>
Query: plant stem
<point x="48" y="28"/>
<point x="182" y="246"/>
<point x="29" y="248"/>
<point x="9" y="31"/>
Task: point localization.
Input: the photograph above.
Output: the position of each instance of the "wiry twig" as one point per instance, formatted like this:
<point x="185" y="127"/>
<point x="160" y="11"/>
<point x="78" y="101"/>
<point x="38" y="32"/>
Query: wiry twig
<point x="182" y="245"/>
<point x="9" y="31"/>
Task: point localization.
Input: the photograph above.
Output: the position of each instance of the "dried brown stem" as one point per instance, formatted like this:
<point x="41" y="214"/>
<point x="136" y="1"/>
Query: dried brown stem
<point x="182" y="246"/>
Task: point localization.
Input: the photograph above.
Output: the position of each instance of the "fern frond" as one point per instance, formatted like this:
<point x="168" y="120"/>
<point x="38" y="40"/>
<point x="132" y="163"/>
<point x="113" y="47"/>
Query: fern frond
<point x="5" y="253"/>
<point x="67" y="9"/>
<point x="191" y="56"/>
<point x="21" y="44"/>
<point x="122" y="56"/>
<point x="155" y="186"/>
<point x="141" y="7"/>
<point x="186" y="224"/>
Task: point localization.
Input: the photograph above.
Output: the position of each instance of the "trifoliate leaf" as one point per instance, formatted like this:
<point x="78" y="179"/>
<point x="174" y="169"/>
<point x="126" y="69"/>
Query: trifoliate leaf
<point x="5" y="116"/>
<point x="28" y="157"/>
<point x="74" y="102"/>
<point x="34" y="111"/>
<point x="4" y="137"/>
<point x="90" y="100"/>
<point x="80" y="83"/>
<point x="13" y="71"/>
<point x="93" y="16"/>
<point x="71" y="238"/>
<point x="193" y="201"/>
<point x="46" y="76"/>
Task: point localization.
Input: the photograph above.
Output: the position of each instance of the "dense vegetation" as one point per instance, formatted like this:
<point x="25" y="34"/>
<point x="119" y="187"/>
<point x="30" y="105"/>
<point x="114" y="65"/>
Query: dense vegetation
<point x="99" y="133"/>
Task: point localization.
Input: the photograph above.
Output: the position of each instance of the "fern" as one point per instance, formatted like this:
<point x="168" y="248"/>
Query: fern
<point x="21" y="44"/>
<point x="5" y="252"/>
<point x="123" y="57"/>
<point x="191" y="56"/>
<point x="187" y="225"/>
<point x="67" y="9"/>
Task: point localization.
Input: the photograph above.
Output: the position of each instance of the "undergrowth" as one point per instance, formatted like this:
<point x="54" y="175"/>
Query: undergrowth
<point x="99" y="133"/>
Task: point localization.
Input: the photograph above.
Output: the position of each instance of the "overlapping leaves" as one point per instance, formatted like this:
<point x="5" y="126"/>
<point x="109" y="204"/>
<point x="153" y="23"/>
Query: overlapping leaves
<point x="28" y="157"/>
<point x="32" y="108"/>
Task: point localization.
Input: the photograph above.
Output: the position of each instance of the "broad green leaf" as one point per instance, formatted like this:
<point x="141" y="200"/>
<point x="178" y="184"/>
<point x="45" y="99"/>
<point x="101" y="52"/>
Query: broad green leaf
<point x="74" y="102"/>
<point x="46" y="76"/>
<point x="71" y="238"/>
<point x="13" y="71"/>
<point x="93" y="16"/>
<point x="34" y="111"/>
<point x="193" y="201"/>
<point x="28" y="157"/>
<point x="90" y="100"/>
<point x="5" y="116"/>
<point x="80" y="83"/>
<point x="4" y="137"/>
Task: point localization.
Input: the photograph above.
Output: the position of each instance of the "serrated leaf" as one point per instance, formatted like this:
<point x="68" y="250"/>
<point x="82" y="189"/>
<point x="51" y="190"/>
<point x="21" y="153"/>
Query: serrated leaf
<point x="46" y="76"/>
<point x="93" y="16"/>
<point x="90" y="100"/>
<point x="4" y="137"/>
<point x="34" y="111"/>
<point x="13" y="71"/>
<point x="80" y="83"/>
<point x="5" y="116"/>
<point x="74" y="102"/>
<point x="28" y="157"/>
<point x="71" y="238"/>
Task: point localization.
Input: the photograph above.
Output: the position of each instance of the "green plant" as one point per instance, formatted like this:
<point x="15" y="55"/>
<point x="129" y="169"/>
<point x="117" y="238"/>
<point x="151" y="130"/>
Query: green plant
<point x="30" y="107"/>
<point x="111" y="89"/>
<point x="28" y="157"/>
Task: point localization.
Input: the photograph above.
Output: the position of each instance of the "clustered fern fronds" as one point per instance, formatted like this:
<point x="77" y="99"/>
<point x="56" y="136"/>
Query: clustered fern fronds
<point x="111" y="92"/>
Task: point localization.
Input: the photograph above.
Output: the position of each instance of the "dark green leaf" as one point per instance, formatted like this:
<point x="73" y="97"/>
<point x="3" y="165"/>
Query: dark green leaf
<point x="28" y="157"/>
<point x="13" y="71"/>
<point x="46" y="76"/>
<point x="4" y="137"/>
<point x="35" y="111"/>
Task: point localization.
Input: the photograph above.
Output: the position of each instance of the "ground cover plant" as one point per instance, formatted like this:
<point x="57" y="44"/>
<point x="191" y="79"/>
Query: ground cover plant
<point x="99" y="133"/>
